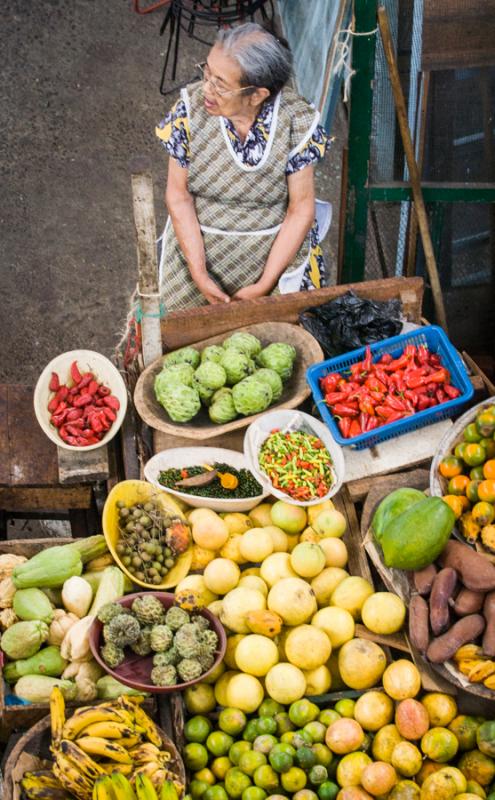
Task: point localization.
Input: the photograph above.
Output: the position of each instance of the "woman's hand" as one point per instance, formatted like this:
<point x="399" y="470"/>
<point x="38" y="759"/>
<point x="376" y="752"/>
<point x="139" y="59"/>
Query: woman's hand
<point x="209" y="288"/>
<point x="251" y="292"/>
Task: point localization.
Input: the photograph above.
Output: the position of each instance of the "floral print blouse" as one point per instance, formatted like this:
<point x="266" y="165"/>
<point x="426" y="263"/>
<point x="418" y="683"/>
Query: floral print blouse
<point x="174" y="133"/>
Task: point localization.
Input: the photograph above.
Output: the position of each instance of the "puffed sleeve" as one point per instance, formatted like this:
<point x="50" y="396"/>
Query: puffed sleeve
<point x="174" y="134"/>
<point x="311" y="151"/>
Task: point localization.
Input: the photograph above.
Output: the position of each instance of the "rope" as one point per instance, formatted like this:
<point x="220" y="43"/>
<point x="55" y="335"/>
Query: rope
<point x="343" y="55"/>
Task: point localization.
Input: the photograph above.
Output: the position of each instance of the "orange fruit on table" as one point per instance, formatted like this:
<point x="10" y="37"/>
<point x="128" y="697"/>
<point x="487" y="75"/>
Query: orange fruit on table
<point x="472" y="491"/>
<point x="466" y="505"/>
<point x="450" y="467"/>
<point x="486" y="490"/>
<point x="455" y="503"/>
<point x="489" y="468"/>
<point x="474" y="455"/>
<point x="458" y="484"/>
<point x="489" y="445"/>
<point x="483" y="513"/>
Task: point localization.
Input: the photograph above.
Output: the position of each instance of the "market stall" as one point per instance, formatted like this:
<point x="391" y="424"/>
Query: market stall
<point x="259" y="569"/>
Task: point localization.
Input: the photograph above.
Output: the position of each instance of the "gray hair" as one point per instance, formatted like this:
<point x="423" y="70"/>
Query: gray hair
<point x="264" y="60"/>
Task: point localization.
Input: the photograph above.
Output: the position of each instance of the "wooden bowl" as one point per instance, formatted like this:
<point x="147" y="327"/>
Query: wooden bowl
<point x="131" y="492"/>
<point x="37" y="742"/>
<point x="135" y="670"/>
<point x="296" y="390"/>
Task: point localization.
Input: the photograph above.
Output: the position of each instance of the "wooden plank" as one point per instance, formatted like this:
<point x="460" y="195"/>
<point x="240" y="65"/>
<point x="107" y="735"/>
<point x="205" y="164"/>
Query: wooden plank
<point x="185" y="327"/>
<point x="458" y="33"/>
<point x="29" y="547"/>
<point x="4" y="437"/>
<point x="231" y="441"/>
<point x="83" y="467"/>
<point x="360" y="488"/>
<point x="33" y="457"/>
<point x="396" y="640"/>
<point x="44" y="498"/>
<point x="478" y="374"/>
<point x="358" y="563"/>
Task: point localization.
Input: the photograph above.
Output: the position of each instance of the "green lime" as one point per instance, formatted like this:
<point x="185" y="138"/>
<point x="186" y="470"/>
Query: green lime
<point x="471" y="433"/>
<point x="294" y="779"/>
<point x="236" y="782"/>
<point x="216" y="792"/>
<point x="250" y="761"/>
<point x="305" y="758"/>
<point x="264" y="743"/>
<point x="328" y="716"/>
<point x="219" y="766"/>
<point x="269" y="708"/>
<point x="219" y="743"/>
<point x="254" y="793"/>
<point x="283" y="723"/>
<point x="237" y="749"/>
<point x="266" y="725"/>
<point x="188" y="797"/>
<point x="459" y="449"/>
<point x="317" y="775"/>
<point x="197" y="729"/>
<point x="328" y="790"/>
<point x="477" y="474"/>
<point x="281" y="762"/>
<point x="266" y="778"/>
<point x="323" y="754"/>
<point x="195" y="756"/>
<point x="345" y="707"/>
<point x="303" y="711"/>
<point x="301" y="738"/>
<point x="305" y="794"/>
<point x="284" y="747"/>
<point x="198" y="788"/>
<point x="316" y="730"/>
<point x="288" y="737"/>
<point x="205" y="775"/>
<point x="232" y="721"/>
<point x="489" y="445"/>
<point x="251" y="730"/>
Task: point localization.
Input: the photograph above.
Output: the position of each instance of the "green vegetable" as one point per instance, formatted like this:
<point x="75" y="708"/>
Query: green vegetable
<point x="32" y="604"/>
<point x="89" y="548"/>
<point x="112" y="586"/>
<point x="37" y="688"/>
<point x="416" y="537"/>
<point x="251" y="396"/>
<point x="186" y="355"/>
<point x="47" y="661"/>
<point x="273" y="379"/>
<point x="174" y="373"/>
<point x="94" y="579"/>
<point x="243" y="342"/>
<point x="212" y="353"/>
<point x="210" y="375"/>
<point x="50" y="567"/>
<point x="237" y="366"/>
<point x="182" y="403"/>
<point x="279" y="357"/>
<point x="391" y="506"/>
<point x="24" y="639"/>
<point x="109" y="689"/>
<point x="222" y="407"/>
<point x="54" y="596"/>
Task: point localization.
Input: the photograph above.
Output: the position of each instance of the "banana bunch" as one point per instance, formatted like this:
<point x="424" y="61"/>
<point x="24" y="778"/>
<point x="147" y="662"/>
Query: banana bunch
<point x="101" y="748"/>
<point x="477" y="668"/>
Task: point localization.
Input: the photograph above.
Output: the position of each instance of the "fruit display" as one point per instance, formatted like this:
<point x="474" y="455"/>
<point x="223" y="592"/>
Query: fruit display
<point x="238" y="378"/>
<point x="150" y="540"/>
<point x="83" y="409"/>
<point x="113" y="750"/>
<point x="375" y="393"/>
<point x="467" y="476"/>
<point x="297" y="463"/>
<point x="215" y="480"/>
<point x="179" y="647"/>
<point x="48" y="604"/>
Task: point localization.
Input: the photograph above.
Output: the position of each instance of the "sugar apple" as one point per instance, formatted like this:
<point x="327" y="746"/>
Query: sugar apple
<point x="189" y="669"/>
<point x="222" y="408"/>
<point x="186" y="355"/>
<point x="112" y="655"/>
<point x="251" y="396"/>
<point x="142" y="646"/>
<point x="175" y="373"/>
<point x="147" y="609"/>
<point x="181" y="402"/>
<point x="280" y="357"/>
<point x="109" y="611"/>
<point x="273" y="379"/>
<point x="176" y="617"/>
<point x="170" y="656"/>
<point x="236" y="365"/>
<point x="243" y="342"/>
<point x="164" y="676"/>
<point x="161" y="638"/>
<point x="210" y="375"/>
<point x="187" y="641"/>
<point x="122" y="630"/>
<point x="212" y="353"/>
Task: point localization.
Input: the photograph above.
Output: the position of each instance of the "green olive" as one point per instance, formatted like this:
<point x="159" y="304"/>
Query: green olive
<point x="148" y="507"/>
<point x="167" y="552"/>
<point x="145" y="521"/>
<point x="136" y="561"/>
<point x="140" y="576"/>
<point x="124" y="512"/>
<point x="169" y="563"/>
<point x="127" y="561"/>
<point x="136" y="513"/>
<point x="156" y="580"/>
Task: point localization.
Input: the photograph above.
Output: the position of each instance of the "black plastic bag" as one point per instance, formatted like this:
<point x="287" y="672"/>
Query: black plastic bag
<point x="350" y="322"/>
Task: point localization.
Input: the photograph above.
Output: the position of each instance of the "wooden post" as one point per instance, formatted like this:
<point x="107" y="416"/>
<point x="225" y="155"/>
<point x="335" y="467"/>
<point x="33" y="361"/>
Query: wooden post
<point x="413" y="221"/>
<point x="419" y="204"/>
<point x="148" y="289"/>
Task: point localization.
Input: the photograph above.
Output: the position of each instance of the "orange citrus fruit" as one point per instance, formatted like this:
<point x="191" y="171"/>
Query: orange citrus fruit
<point x="483" y="513"/>
<point x="455" y="502"/>
<point x="458" y="484"/>
<point x="486" y="490"/>
<point x="474" y="455"/>
<point x="489" y="468"/>
<point x="450" y="467"/>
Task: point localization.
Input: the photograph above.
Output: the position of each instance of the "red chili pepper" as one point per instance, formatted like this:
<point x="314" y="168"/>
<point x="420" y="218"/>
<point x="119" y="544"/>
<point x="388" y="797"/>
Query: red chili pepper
<point x="440" y="395"/>
<point x="435" y="360"/>
<point x="451" y="391"/>
<point x="52" y="405"/>
<point x="103" y="391"/>
<point x="382" y="376"/>
<point x="93" y="387"/>
<point x="61" y="407"/>
<point x="343" y="387"/>
<point x="398" y="363"/>
<point x="422" y="354"/>
<point x="415" y="378"/>
<point x="54" y="384"/>
<point x="366" y="406"/>
<point x="440" y="376"/>
<point x="96" y="424"/>
<point x="344" y="425"/>
<point x="348" y="410"/>
<point x="424" y="402"/>
<point x="356" y="369"/>
<point x="329" y="382"/>
<point x="74" y="372"/>
<point x="373" y="422"/>
<point x="363" y="420"/>
<point x="58" y="419"/>
<point x="374" y="384"/>
<point x="110" y="414"/>
<point x="355" y="429"/>
<point x="377" y="397"/>
<point x="367" y="360"/>
<point x="395" y="416"/>
<point x="410" y="351"/>
<point x="74" y="413"/>
<point x="412" y="396"/>
<point x="74" y="430"/>
<point x="384" y="411"/>
<point x="82" y="400"/>
<point x="333" y="397"/>
<point x="112" y="402"/>
<point x="395" y="402"/>
<point x="398" y="381"/>
<point x="63" y="433"/>
<point x="386" y="359"/>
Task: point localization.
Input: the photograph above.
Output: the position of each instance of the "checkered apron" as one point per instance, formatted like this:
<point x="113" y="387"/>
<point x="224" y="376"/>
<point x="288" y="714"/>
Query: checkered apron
<point x="240" y="208"/>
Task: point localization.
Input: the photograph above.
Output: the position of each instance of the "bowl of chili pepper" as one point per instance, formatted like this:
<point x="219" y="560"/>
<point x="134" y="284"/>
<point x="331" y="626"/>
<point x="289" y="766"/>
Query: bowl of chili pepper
<point x="80" y="400"/>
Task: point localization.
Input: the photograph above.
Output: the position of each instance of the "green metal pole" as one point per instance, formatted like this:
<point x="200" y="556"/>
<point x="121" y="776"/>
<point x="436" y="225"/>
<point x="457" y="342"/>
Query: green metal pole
<point x="363" y="62"/>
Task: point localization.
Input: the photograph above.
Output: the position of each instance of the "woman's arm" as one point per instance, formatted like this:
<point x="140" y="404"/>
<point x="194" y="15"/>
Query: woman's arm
<point x="298" y="221"/>
<point x="180" y="205"/>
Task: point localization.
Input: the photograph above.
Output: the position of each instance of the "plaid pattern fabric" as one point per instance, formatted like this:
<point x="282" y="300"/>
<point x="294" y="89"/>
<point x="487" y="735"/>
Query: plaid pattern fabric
<point x="231" y="198"/>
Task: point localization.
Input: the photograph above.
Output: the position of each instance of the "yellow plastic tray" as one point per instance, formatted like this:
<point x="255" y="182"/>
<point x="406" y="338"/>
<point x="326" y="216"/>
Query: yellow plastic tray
<point x="132" y="492"/>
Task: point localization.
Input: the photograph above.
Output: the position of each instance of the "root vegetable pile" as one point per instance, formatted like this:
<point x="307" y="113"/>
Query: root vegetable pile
<point x="83" y="409"/>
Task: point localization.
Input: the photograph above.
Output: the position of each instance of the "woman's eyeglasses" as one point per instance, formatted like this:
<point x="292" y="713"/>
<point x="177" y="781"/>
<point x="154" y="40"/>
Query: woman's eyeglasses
<point x="215" y="88"/>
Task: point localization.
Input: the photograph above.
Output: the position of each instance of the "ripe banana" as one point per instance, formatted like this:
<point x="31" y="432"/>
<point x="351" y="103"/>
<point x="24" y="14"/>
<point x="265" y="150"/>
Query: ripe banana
<point x="144" y="788"/>
<point x="109" y="729"/>
<point x="80" y="760"/>
<point x="43" y="785"/>
<point x="109" y="767"/>
<point x="169" y="791"/>
<point x="82" y="719"/>
<point x="146" y="752"/>
<point x="41" y="777"/>
<point x="129" y="741"/>
<point x="98" y="746"/>
<point x="122" y="787"/>
<point x="103" y="789"/>
<point x="57" y="714"/>
<point x="72" y="780"/>
<point x="151" y="731"/>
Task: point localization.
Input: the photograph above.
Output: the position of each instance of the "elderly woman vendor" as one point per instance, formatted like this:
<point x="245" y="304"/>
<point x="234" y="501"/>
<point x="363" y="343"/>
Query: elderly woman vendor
<point x="240" y="188"/>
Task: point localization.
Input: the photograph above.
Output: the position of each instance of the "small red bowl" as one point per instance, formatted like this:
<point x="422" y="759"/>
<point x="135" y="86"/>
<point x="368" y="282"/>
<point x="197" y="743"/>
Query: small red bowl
<point x="135" y="670"/>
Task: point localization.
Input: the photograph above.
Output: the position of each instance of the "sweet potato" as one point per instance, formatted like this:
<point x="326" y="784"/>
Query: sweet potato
<point x="488" y="643"/>
<point x="441" y="591"/>
<point x="423" y="579"/>
<point x="467" y="602"/>
<point x="463" y="631"/>
<point x="474" y="570"/>
<point x="419" y="633"/>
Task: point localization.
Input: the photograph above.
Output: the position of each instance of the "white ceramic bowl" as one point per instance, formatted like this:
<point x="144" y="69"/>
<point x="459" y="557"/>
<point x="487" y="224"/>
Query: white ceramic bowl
<point x="183" y="457"/>
<point x="87" y="360"/>
<point x="257" y="433"/>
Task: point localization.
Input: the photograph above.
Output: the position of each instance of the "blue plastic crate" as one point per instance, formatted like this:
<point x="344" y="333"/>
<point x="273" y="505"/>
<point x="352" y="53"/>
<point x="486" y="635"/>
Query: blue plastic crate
<point x="437" y="342"/>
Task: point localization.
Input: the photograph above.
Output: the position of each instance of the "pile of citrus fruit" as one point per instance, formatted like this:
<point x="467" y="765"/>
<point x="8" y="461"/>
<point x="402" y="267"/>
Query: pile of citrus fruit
<point x="384" y="744"/>
<point x="469" y="474"/>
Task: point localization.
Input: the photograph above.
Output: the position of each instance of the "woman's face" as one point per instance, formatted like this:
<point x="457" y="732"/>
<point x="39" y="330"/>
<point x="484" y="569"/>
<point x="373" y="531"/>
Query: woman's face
<point x="222" y="85"/>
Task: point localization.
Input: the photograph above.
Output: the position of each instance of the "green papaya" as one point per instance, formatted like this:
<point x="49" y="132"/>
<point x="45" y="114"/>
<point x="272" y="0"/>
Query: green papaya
<point x="416" y="537"/>
<point x="47" y="661"/>
<point x="391" y="506"/>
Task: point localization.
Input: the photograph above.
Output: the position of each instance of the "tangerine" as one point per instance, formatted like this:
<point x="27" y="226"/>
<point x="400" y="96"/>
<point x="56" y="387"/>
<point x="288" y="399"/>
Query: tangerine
<point x="476" y="474"/>
<point x="486" y="490"/>
<point x="472" y="491"/>
<point x="455" y="503"/>
<point x="483" y="513"/>
<point x="485" y="423"/>
<point x="459" y="450"/>
<point x="471" y="433"/>
<point x="474" y="455"/>
<point x="458" y="484"/>
<point x="489" y="445"/>
<point x="489" y="468"/>
<point x="450" y="467"/>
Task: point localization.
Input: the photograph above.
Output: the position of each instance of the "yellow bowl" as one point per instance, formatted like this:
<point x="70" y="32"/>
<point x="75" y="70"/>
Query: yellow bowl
<point x="132" y="492"/>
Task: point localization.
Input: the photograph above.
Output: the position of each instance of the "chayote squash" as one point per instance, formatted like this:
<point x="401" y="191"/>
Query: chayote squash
<point x="110" y="689"/>
<point x="416" y="537"/>
<point x="32" y="604"/>
<point x="37" y="688"/>
<point x="47" y="661"/>
<point x="24" y="639"/>
<point x="51" y="568"/>
<point x="391" y="506"/>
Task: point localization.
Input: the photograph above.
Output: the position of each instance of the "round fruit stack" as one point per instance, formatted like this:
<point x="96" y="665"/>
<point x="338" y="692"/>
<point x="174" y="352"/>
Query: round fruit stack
<point x="385" y="744"/>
